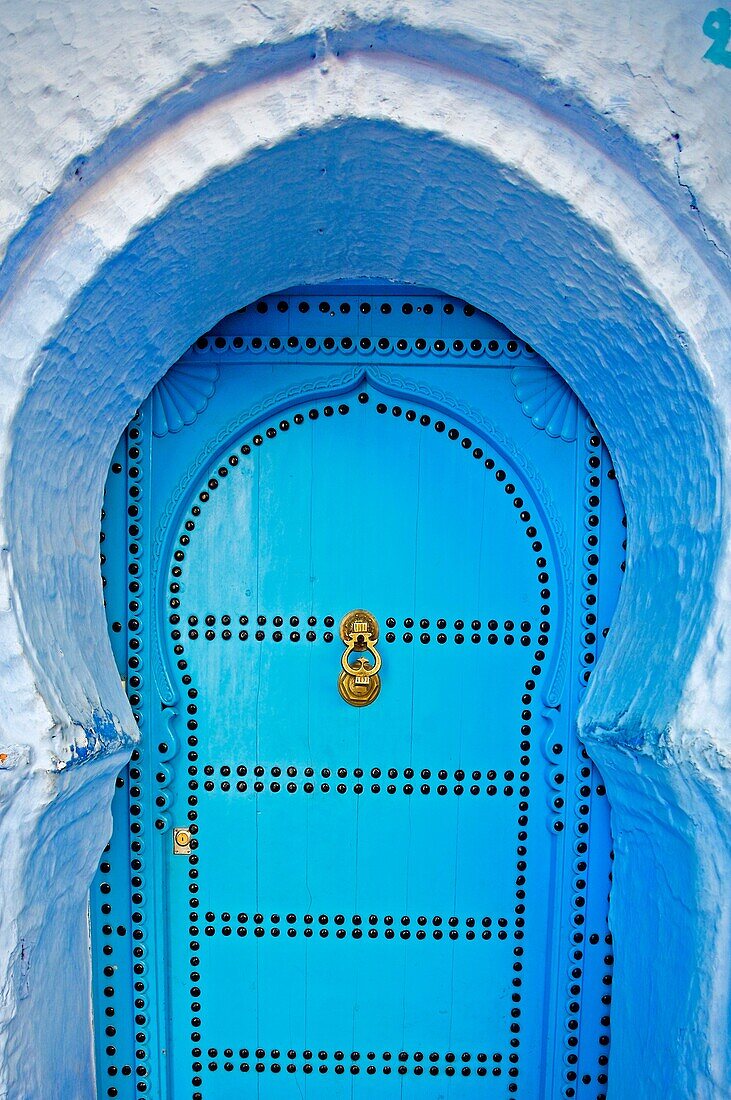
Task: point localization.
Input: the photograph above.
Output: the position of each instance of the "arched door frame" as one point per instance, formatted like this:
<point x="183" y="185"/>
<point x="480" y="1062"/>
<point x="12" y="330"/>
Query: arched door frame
<point x="374" y="166"/>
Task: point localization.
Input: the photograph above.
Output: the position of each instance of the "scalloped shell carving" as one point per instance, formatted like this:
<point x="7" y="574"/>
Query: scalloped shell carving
<point x="547" y="400"/>
<point x="182" y="395"/>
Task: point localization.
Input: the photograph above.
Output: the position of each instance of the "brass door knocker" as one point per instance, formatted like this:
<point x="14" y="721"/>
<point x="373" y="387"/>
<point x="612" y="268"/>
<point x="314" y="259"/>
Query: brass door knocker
<point x="359" y="682"/>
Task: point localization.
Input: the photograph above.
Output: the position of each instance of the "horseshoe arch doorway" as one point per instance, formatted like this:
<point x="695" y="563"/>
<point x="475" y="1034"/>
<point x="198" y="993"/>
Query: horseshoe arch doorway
<point x="306" y="897"/>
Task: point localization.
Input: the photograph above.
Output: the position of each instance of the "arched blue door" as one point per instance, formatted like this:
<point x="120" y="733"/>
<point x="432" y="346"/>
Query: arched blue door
<point x="306" y="897"/>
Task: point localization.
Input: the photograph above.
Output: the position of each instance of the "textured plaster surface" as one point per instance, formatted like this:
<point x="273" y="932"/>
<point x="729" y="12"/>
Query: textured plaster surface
<point x="632" y="71"/>
<point x="163" y="167"/>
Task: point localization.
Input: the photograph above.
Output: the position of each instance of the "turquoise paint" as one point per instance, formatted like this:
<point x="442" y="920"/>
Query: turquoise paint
<point x="649" y="365"/>
<point x="596" y="336"/>
<point x="717" y="27"/>
<point x="414" y="893"/>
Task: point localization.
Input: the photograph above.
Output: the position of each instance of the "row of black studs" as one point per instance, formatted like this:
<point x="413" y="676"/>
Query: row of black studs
<point x="365" y="345"/>
<point x="584" y="781"/>
<point x="311" y="636"/>
<point x="364" y="306"/>
<point x="194" y="945"/>
<point x="401" y="1062"/>
<point x="193" y="861"/>
<point x="371" y="927"/>
<point x="589" y="777"/>
<point x="520" y="881"/>
<point x="108" y="1063"/>
<point x="135" y="490"/>
<point x="356" y="919"/>
<point x="329" y="621"/>
<point x="357" y="788"/>
<point x="291" y="772"/>
<point x="587" y="782"/>
<point x="582" y="790"/>
<point x="417" y="1069"/>
<point x="106" y="949"/>
<point x="607" y="977"/>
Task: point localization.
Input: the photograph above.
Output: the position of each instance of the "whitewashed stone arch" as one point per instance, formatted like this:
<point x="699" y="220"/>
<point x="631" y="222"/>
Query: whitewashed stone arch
<point x="372" y="164"/>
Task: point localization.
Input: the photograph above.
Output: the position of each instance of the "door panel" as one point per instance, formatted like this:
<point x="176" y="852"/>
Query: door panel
<point x="406" y="898"/>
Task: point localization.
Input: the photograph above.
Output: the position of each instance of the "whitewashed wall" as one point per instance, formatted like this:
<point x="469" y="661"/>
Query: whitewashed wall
<point x="74" y="74"/>
<point x="580" y="155"/>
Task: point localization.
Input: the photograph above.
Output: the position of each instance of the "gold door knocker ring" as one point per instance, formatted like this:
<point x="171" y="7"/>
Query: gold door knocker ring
<point x="359" y="682"/>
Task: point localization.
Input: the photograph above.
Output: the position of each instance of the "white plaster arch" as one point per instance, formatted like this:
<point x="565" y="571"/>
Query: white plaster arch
<point x="377" y="165"/>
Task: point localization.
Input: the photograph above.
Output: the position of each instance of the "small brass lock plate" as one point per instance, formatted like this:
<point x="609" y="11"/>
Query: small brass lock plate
<point x="359" y="682"/>
<point x="181" y="842"/>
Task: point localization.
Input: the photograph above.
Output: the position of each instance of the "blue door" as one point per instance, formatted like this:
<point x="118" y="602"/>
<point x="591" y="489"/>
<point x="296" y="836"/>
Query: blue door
<point x="361" y="547"/>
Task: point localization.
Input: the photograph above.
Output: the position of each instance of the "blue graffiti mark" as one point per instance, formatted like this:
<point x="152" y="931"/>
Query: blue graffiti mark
<point x="717" y="26"/>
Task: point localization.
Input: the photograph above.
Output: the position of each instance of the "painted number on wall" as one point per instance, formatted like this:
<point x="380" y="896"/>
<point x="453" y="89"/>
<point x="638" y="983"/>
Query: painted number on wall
<point x="717" y="27"/>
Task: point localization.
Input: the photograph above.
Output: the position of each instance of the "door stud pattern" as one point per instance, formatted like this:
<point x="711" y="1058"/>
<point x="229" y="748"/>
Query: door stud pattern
<point x="400" y="1063"/>
<point x="461" y="631"/>
<point x="360" y="781"/>
<point x="356" y="926"/>
<point x="162" y="943"/>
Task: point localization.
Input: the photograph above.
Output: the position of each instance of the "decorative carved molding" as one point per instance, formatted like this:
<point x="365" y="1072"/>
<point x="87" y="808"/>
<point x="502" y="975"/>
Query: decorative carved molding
<point x="182" y="395"/>
<point x="548" y="402"/>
